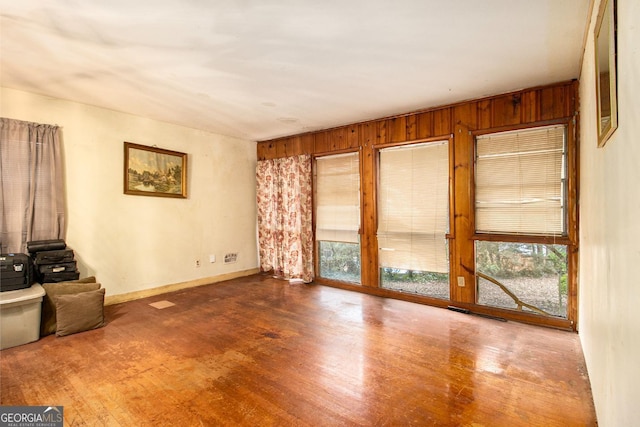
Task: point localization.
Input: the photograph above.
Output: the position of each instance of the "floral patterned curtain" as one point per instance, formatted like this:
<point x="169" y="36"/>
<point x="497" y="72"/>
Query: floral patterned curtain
<point x="285" y="235"/>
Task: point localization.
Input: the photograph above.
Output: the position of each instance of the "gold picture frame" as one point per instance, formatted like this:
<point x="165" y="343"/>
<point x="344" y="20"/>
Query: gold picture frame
<point x="152" y="171"/>
<point x="605" y="65"/>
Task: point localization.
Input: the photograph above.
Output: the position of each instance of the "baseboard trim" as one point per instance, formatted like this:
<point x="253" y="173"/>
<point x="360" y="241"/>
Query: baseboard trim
<point x="130" y="296"/>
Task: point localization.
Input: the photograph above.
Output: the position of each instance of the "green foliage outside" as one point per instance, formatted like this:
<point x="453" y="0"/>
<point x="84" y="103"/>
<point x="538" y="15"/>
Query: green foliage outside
<point x="501" y="260"/>
<point x="511" y="260"/>
<point x="397" y="275"/>
<point x="340" y="261"/>
<point x="535" y="273"/>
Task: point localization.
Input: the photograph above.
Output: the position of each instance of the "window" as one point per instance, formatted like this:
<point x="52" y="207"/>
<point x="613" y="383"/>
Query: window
<point x="520" y="194"/>
<point x="337" y="201"/>
<point x="413" y="218"/>
<point x="520" y="182"/>
<point x="523" y="276"/>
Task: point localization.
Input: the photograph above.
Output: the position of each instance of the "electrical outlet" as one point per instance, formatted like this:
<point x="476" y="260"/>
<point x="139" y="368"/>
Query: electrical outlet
<point x="461" y="281"/>
<point x="197" y="263"/>
<point x="230" y="257"/>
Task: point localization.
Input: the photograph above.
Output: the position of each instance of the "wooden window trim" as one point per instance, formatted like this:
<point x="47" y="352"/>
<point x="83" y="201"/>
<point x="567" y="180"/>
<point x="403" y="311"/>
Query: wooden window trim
<point x="459" y="122"/>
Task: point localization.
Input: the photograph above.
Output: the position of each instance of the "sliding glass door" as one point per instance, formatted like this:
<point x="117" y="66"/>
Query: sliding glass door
<point x="413" y="218"/>
<point x="337" y="201"/>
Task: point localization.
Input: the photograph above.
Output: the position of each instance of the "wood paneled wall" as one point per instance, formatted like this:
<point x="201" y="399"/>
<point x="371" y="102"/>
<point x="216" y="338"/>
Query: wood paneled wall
<point x="526" y="107"/>
<point x="458" y="123"/>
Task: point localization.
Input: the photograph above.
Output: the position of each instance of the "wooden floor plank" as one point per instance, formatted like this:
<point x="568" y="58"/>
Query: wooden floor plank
<point x="259" y="351"/>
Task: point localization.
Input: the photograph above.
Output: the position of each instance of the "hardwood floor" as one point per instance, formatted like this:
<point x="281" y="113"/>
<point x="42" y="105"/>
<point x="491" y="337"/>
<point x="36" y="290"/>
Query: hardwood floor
<point x="259" y="351"/>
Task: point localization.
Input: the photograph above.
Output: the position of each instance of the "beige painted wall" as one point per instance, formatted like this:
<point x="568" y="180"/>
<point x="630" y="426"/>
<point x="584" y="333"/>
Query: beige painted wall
<point x="133" y="243"/>
<point x="609" y="295"/>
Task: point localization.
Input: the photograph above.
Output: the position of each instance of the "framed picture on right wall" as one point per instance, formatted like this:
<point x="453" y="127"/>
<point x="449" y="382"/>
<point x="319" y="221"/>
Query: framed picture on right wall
<point x="605" y="61"/>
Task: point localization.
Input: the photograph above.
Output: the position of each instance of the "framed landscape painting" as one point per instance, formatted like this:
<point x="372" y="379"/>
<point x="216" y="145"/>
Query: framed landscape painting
<point x="152" y="171"/>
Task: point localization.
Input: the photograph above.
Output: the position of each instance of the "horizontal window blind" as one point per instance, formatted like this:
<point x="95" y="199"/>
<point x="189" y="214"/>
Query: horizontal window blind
<point x="338" y="198"/>
<point x="413" y="207"/>
<point x="520" y="182"/>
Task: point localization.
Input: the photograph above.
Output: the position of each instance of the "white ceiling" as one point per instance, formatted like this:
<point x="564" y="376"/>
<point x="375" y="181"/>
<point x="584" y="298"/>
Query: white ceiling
<point x="260" y="69"/>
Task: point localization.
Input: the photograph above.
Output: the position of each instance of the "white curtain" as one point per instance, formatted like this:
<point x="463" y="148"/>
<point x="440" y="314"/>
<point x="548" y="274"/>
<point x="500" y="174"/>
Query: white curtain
<point x="31" y="184"/>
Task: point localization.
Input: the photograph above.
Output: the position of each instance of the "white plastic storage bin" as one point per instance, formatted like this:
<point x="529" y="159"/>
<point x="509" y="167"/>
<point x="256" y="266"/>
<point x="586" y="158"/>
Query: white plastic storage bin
<point x="20" y="313"/>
